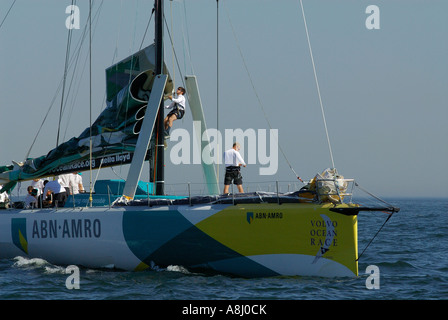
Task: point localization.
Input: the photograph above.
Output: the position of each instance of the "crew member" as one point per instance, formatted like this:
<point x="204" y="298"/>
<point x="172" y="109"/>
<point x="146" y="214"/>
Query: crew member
<point x="233" y="162"/>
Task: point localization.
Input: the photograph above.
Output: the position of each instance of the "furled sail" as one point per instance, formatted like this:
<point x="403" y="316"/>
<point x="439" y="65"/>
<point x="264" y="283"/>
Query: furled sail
<point x="113" y="134"/>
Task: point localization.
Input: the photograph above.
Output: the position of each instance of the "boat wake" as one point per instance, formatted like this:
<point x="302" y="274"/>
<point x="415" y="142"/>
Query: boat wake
<point x="179" y="269"/>
<point x="48" y="268"/>
<point x="38" y="264"/>
<point x="22" y="262"/>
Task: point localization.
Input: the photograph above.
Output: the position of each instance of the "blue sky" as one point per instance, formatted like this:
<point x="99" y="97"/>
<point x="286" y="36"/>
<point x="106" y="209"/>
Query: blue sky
<point x="384" y="91"/>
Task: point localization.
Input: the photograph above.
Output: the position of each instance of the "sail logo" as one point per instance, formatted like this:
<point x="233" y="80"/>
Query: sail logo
<point x="18" y="234"/>
<point x="251" y="216"/>
<point x="116" y="158"/>
<point x="206" y="146"/>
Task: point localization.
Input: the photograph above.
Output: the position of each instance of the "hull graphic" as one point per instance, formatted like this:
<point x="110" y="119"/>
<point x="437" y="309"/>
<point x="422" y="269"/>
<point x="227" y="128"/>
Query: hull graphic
<point x="249" y="240"/>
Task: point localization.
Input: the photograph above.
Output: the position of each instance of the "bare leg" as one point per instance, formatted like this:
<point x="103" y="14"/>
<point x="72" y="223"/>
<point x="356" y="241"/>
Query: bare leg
<point x="171" y="120"/>
<point x="240" y="188"/>
<point x="168" y="123"/>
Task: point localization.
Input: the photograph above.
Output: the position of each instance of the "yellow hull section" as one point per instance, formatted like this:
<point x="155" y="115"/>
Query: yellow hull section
<point x="311" y="230"/>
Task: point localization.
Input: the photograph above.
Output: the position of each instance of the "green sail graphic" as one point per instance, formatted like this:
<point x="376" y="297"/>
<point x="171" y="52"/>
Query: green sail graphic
<point x="115" y="131"/>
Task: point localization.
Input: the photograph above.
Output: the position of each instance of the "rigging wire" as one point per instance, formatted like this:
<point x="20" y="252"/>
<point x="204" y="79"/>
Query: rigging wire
<point x="7" y="13"/>
<point x="64" y="79"/>
<point x="217" y="89"/>
<point x="90" y="101"/>
<point x="112" y="62"/>
<point x="114" y="56"/>
<point x="146" y="30"/>
<point x="390" y="208"/>
<point x="187" y="39"/>
<point x="370" y="242"/>
<point x="372" y="195"/>
<point x="132" y="65"/>
<point x="43" y="121"/>
<point x="258" y="97"/>
<point x="130" y="74"/>
<point x="74" y="62"/>
<point x="172" y="47"/>
<point x="174" y="54"/>
<point x="317" y="85"/>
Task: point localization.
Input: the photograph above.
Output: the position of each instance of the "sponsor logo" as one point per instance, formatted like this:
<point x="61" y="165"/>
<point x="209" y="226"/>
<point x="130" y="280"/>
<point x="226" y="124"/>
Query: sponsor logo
<point x="251" y="216"/>
<point x="320" y="229"/>
<point x="67" y="228"/>
<point x="18" y="233"/>
<point x="104" y="161"/>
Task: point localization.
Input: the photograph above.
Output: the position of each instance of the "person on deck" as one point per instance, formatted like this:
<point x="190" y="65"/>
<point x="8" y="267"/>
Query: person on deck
<point x="76" y="185"/>
<point x="60" y="195"/>
<point x="39" y="185"/>
<point x="178" y="106"/>
<point x="233" y="162"/>
<point x="4" y="198"/>
<point x="31" y="198"/>
<point x="64" y="180"/>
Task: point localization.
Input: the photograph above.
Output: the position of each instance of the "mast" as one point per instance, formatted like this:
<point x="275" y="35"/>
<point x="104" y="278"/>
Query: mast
<point x="160" y="161"/>
<point x="153" y="121"/>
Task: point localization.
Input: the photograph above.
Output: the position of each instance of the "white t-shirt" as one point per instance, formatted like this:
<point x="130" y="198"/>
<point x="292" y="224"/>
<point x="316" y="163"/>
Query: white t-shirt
<point x="233" y="158"/>
<point x="64" y="180"/>
<point x="54" y="187"/>
<point x="3" y="196"/>
<point x="180" y="100"/>
<point x="39" y="185"/>
<point x="75" y="181"/>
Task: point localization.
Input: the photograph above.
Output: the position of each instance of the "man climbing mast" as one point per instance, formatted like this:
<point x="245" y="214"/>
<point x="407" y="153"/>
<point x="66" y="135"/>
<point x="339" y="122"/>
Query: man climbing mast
<point x="178" y="106"/>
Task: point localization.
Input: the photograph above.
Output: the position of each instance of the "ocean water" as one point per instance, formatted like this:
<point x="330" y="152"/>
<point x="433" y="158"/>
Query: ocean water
<point x="410" y="253"/>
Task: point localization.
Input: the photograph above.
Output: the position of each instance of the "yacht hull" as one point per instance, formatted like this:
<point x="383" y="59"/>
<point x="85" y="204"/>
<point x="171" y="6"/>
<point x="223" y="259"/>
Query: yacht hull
<point x="247" y="240"/>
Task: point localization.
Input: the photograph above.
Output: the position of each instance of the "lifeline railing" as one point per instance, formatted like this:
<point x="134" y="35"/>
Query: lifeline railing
<point x="336" y="191"/>
<point x="325" y="190"/>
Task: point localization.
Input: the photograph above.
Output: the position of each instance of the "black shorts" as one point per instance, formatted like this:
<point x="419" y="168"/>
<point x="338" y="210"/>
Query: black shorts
<point x="179" y="113"/>
<point x="59" y="199"/>
<point x="233" y="174"/>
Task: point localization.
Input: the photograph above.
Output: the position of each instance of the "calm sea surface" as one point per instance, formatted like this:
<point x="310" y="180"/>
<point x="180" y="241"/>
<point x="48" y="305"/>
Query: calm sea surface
<point x="411" y="253"/>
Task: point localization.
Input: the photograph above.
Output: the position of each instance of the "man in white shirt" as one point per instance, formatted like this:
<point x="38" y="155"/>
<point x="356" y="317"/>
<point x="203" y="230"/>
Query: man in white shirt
<point x="178" y="106"/>
<point x="4" y="198"/>
<point x="76" y="185"/>
<point x="64" y="180"/>
<point x="60" y="195"/>
<point x="233" y="162"/>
